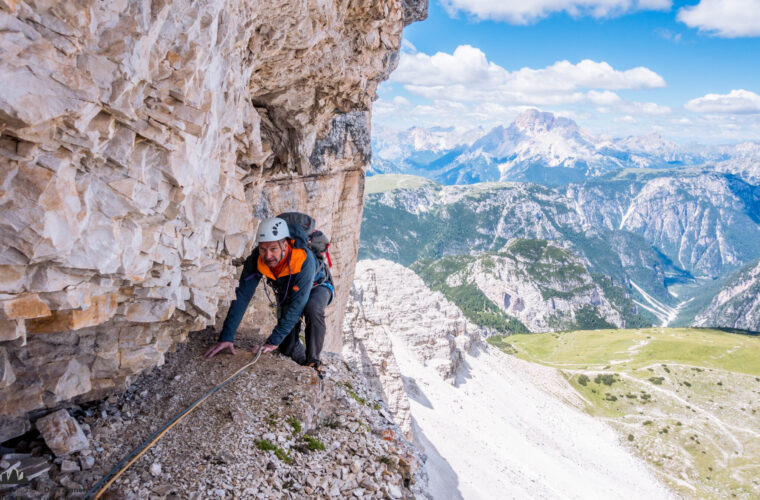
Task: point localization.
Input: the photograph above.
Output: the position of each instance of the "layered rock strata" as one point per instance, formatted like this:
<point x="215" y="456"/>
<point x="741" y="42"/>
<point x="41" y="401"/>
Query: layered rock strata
<point x="544" y="293"/>
<point x="391" y="304"/>
<point x="140" y="142"/>
<point x="737" y="305"/>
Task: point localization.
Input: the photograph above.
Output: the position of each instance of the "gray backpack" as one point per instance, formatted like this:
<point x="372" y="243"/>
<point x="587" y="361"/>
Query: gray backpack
<point x="318" y="244"/>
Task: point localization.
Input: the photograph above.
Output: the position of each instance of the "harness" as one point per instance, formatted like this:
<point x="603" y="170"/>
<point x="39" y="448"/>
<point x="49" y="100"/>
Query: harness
<point x="279" y="302"/>
<point x="322" y="278"/>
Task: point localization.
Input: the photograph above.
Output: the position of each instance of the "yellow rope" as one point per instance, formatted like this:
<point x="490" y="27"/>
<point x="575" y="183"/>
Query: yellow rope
<point x="102" y="485"/>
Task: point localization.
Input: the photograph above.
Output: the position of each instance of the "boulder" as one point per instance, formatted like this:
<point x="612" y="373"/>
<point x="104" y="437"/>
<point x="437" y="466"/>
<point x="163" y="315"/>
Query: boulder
<point x="62" y="433"/>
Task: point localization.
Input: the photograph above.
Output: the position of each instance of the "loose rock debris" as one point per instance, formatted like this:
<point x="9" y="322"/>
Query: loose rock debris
<point x="276" y="431"/>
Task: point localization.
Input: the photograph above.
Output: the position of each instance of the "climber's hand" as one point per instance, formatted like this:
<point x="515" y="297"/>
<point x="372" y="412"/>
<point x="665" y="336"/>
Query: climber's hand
<point x="264" y="348"/>
<point x="219" y="347"/>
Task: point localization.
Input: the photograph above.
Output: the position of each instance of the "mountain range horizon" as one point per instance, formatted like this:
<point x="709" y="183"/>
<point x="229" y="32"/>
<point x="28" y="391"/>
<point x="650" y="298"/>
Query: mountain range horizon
<point x="533" y="114"/>
<point x="544" y="148"/>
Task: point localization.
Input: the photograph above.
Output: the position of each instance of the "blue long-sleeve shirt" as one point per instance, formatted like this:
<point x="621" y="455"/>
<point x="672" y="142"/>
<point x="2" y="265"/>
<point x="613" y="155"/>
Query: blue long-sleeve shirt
<point x="291" y="290"/>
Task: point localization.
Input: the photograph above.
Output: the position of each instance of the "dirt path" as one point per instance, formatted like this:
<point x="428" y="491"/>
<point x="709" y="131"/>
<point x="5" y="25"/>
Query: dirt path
<point x="216" y="451"/>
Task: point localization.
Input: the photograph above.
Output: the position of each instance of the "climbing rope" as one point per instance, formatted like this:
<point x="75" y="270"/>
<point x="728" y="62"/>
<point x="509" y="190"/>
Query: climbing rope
<point x="107" y="480"/>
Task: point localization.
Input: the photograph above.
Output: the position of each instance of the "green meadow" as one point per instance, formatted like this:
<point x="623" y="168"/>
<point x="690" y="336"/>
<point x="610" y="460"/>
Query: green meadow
<point x="685" y="400"/>
<point x="389" y="182"/>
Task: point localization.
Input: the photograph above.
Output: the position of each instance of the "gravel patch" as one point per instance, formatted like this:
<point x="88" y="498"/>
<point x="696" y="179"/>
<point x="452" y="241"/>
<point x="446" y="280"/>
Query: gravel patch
<point x="276" y="431"/>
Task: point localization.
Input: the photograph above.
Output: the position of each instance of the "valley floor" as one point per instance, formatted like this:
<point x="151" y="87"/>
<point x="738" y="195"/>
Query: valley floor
<point x="515" y="429"/>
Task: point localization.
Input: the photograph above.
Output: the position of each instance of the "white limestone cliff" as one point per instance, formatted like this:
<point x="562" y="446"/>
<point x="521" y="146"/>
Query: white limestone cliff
<point x="141" y="142"/>
<point x="737" y="305"/>
<point x="542" y="302"/>
<point x="389" y="304"/>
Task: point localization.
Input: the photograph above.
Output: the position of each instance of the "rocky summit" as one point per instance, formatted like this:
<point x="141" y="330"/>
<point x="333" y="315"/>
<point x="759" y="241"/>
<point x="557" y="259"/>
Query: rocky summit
<point x="543" y="148"/>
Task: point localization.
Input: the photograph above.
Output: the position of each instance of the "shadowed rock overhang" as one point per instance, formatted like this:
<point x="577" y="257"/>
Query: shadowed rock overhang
<point x="139" y="144"/>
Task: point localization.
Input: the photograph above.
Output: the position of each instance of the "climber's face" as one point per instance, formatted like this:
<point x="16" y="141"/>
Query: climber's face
<point x="271" y="252"/>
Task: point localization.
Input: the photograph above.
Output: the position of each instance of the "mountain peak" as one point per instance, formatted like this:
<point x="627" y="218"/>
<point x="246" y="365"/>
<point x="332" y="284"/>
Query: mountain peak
<point x="535" y="121"/>
<point x="652" y="143"/>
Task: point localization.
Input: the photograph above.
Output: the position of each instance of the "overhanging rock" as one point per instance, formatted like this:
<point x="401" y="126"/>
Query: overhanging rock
<point x="139" y="144"/>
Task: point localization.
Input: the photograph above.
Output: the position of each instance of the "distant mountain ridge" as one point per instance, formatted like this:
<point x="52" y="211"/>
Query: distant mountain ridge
<point x="703" y="223"/>
<point x="653" y="241"/>
<point x="542" y="148"/>
<point x="669" y="223"/>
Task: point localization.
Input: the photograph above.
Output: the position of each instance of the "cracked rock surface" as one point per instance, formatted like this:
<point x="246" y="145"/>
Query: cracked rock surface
<point x="140" y="143"/>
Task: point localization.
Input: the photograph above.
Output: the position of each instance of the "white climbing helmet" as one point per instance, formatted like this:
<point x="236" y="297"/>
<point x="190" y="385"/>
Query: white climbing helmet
<point x="273" y="229"/>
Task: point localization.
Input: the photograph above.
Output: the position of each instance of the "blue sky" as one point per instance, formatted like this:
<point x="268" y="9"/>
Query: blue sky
<point x="688" y="70"/>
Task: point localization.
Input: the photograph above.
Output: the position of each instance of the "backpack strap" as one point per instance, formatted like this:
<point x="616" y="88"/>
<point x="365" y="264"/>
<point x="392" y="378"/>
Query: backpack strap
<point x="327" y="254"/>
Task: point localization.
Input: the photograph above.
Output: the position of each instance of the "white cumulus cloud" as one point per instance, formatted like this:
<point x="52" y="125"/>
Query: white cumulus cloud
<point x="603" y="98"/>
<point x="527" y="11"/>
<point x="610" y="102"/>
<point x="737" y="101"/>
<point x="726" y="18"/>
<point x="467" y="75"/>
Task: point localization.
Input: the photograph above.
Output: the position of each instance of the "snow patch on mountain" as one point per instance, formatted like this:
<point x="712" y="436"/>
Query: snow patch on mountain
<point x="535" y="141"/>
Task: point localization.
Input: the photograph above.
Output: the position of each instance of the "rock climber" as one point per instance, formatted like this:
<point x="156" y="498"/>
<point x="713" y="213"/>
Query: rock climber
<point x="283" y="257"/>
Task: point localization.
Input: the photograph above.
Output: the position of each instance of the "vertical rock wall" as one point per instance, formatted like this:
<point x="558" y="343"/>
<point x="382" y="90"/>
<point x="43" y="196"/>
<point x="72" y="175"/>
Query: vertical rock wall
<point x="392" y="313"/>
<point x="737" y="305"/>
<point x="141" y="141"/>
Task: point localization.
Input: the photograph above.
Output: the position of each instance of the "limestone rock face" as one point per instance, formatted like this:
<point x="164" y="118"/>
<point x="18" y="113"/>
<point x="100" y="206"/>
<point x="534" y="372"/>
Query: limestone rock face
<point x="551" y="299"/>
<point x="141" y="142"/>
<point x="390" y="309"/>
<point x="62" y="433"/>
<point x="737" y="305"/>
